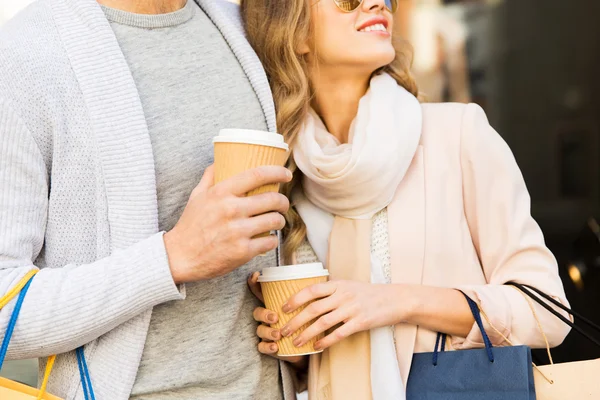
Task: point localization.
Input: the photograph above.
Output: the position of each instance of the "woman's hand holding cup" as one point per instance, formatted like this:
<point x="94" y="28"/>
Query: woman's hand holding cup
<point x="269" y="336"/>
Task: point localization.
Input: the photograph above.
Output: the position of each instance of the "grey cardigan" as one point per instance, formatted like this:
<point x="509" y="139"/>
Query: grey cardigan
<point x="78" y="195"/>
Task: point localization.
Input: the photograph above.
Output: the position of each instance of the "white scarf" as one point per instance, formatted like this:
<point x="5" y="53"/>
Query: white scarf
<point x="357" y="180"/>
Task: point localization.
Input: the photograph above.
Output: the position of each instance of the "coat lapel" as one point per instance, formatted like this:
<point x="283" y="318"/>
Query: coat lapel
<point x="406" y="226"/>
<point x="125" y="161"/>
<point x="118" y="122"/>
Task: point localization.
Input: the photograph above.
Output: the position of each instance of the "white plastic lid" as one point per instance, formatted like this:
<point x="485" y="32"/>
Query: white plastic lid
<point x="250" y="136"/>
<point x="289" y="272"/>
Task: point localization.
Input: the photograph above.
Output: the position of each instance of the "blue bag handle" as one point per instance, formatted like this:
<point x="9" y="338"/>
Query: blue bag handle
<point x="441" y="337"/>
<point x="86" y="381"/>
<point x="12" y="322"/>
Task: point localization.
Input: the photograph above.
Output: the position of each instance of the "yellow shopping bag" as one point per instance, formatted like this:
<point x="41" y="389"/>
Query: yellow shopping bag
<point x="572" y="380"/>
<point x="11" y="390"/>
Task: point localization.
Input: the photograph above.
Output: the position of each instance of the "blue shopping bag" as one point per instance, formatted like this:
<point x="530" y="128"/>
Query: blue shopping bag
<point x="492" y="373"/>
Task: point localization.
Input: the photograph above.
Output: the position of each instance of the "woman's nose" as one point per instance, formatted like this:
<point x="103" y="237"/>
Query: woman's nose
<point x="370" y="5"/>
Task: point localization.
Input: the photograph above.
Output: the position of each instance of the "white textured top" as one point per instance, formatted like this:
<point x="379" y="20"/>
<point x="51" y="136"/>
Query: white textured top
<point x="380" y="242"/>
<point x="78" y="193"/>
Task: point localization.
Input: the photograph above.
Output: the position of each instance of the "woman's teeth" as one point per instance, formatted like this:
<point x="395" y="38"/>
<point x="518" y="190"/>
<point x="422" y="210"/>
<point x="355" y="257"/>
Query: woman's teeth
<point x="376" y="27"/>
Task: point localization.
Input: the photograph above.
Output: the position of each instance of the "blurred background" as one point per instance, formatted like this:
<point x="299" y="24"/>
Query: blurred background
<point x="533" y="66"/>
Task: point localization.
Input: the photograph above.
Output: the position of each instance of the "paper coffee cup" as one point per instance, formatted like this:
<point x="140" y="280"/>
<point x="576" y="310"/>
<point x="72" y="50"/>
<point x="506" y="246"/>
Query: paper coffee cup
<point x="238" y="150"/>
<point x="278" y="285"/>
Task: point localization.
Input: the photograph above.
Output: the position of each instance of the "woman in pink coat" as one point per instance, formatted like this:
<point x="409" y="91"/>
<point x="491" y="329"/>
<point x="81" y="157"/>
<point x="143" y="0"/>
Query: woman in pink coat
<point x="407" y="204"/>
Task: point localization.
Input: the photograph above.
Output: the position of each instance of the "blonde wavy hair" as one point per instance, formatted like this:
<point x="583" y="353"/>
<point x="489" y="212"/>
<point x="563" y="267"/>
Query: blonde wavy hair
<point x="276" y="29"/>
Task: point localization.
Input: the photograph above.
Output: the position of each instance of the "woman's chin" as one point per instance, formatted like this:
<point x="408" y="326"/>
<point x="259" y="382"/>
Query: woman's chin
<point x="377" y="64"/>
<point x="379" y="59"/>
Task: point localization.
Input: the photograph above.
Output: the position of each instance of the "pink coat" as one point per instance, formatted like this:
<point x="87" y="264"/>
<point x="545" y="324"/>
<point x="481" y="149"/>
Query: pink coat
<point x="462" y="219"/>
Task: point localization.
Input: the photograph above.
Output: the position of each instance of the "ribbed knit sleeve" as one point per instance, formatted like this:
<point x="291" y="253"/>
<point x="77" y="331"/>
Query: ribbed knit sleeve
<point x="72" y="305"/>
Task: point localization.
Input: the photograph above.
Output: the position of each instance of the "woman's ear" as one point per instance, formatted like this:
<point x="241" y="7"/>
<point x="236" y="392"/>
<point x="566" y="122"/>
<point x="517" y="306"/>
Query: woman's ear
<point x="303" y="48"/>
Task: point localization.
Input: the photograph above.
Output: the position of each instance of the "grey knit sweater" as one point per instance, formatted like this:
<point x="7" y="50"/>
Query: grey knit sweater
<point x="78" y="195"/>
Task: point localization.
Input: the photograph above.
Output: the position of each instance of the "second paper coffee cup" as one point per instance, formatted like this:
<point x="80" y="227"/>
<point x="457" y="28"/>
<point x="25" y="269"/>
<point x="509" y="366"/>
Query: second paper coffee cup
<point x="278" y="285"/>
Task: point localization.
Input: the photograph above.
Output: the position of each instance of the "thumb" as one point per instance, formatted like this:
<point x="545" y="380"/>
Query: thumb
<point x="255" y="286"/>
<point x="208" y="179"/>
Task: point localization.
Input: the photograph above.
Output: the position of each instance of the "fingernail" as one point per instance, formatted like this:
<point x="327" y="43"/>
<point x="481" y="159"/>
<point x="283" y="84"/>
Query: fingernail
<point x="273" y="348"/>
<point x="297" y="342"/>
<point x="289" y="174"/>
<point x="317" y="346"/>
<point x="285" y="331"/>
<point x="275" y="335"/>
<point x="272" y="318"/>
<point x="286" y="308"/>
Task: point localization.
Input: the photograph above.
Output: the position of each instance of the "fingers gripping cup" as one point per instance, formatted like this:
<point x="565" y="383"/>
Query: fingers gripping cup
<point x="238" y="150"/>
<point x="278" y="285"/>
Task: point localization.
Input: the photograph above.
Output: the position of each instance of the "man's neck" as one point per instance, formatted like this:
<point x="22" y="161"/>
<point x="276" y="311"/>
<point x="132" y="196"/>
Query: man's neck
<point x="145" y="6"/>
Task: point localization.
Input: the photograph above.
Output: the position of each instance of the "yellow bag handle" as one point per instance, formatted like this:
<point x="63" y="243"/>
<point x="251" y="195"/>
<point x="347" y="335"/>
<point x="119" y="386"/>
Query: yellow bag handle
<point x="4" y="300"/>
<point x="12" y="293"/>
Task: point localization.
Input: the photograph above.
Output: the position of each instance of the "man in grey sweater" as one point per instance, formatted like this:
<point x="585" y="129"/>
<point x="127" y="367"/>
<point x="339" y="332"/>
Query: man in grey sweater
<point x="107" y="112"/>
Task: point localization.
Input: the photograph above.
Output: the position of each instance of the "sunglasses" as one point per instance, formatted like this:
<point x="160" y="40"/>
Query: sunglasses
<point x="352" y="5"/>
